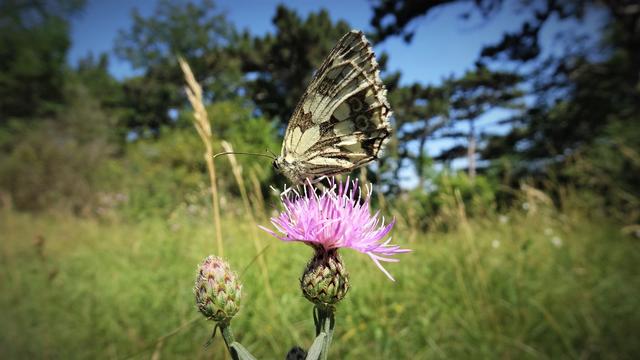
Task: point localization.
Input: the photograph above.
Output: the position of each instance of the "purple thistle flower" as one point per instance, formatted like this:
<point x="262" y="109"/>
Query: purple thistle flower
<point x="336" y="218"/>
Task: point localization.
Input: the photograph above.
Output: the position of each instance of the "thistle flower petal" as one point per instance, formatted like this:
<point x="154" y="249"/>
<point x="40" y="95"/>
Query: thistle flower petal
<point x="337" y="217"/>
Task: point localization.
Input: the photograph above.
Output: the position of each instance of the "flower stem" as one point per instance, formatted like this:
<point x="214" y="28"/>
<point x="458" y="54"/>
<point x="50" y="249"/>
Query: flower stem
<point x="227" y="335"/>
<point x="325" y="322"/>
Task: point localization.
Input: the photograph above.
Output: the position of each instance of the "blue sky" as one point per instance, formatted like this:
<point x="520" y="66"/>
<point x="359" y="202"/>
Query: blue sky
<point x="443" y="44"/>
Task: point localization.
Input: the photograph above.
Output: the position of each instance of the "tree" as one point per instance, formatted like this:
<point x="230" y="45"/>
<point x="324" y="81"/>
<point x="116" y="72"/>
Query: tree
<point x="579" y="95"/>
<point x="552" y="79"/>
<point x="283" y="63"/>
<point x="392" y="17"/>
<point x="419" y="113"/>
<point x="34" y="39"/>
<point x="197" y="32"/>
<point x="584" y="102"/>
<point x="93" y="73"/>
<point x="472" y="96"/>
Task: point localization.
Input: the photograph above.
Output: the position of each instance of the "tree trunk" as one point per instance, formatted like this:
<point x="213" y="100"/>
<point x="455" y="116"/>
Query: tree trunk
<point x="471" y="151"/>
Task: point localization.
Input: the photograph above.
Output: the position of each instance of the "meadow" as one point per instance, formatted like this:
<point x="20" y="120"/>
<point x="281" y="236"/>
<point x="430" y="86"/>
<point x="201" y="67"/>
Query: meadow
<point x="530" y="283"/>
<point x="511" y="168"/>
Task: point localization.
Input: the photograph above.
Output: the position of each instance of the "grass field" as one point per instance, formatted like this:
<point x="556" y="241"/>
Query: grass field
<point x="543" y="285"/>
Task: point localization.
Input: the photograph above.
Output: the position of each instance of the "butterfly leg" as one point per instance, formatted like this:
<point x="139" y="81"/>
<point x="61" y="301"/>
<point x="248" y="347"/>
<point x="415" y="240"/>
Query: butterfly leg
<point x="285" y="192"/>
<point x="294" y="188"/>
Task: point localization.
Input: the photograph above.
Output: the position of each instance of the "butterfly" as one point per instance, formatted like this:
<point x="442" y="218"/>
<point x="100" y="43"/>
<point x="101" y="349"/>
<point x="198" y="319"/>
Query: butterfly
<point x="342" y="120"/>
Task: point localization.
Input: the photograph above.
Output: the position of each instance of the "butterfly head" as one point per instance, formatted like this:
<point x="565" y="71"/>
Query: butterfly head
<point x="291" y="169"/>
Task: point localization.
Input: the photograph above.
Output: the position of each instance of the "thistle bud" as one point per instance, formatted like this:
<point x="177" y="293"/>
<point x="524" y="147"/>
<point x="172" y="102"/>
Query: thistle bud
<point x="325" y="280"/>
<point x="217" y="290"/>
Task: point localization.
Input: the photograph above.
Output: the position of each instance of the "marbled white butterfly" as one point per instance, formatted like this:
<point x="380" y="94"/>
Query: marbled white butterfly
<point x="341" y="121"/>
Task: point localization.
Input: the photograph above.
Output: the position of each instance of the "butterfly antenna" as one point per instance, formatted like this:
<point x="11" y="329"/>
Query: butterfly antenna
<point x="243" y="153"/>
<point x="272" y="153"/>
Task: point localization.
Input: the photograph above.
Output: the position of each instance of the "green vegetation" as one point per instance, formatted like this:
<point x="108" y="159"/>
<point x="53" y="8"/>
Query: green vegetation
<point x="522" y="285"/>
<point x="529" y="249"/>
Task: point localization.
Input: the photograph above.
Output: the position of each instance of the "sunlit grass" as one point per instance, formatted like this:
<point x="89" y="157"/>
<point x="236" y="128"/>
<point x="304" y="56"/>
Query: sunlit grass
<point x="520" y="286"/>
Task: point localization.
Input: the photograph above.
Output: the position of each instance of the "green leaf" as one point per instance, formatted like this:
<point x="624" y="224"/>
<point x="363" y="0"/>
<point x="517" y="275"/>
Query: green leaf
<point x="241" y="351"/>
<point x="316" y="348"/>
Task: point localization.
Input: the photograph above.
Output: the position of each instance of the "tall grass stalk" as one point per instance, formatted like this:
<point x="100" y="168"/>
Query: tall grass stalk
<point x="237" y="174"/>
<point x="203" y="127"/>
<point x="257" y="194"/>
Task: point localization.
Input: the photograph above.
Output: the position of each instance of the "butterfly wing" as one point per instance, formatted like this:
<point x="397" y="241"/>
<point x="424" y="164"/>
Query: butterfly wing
<point x="341" y="121"/>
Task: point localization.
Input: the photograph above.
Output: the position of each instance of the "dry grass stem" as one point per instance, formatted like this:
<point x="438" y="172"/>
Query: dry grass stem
<point x="237" y="173"/>
<point x="203" y="127"/>
<point x="257" y="193"/>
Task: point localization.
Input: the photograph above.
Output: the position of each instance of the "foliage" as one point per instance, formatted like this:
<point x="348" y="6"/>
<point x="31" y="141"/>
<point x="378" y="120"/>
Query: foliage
<point x="58" y="161"/>
<point x="515" y="262"/>
<point x="197" y="32"/>
<point x="93" y="73"/>
<point x="393" y="18"/>
<point x="278" y="85"/>
<point x="446" y="201"/>
<point x="576" y="97"/>
<point x="160" y="174"/>
<point x="610" y="167"/>
<point x="581" y="100"/>
<point x="529" y="286"/>
<point x="419" y="112"/>
<point x="34" y="39"/>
